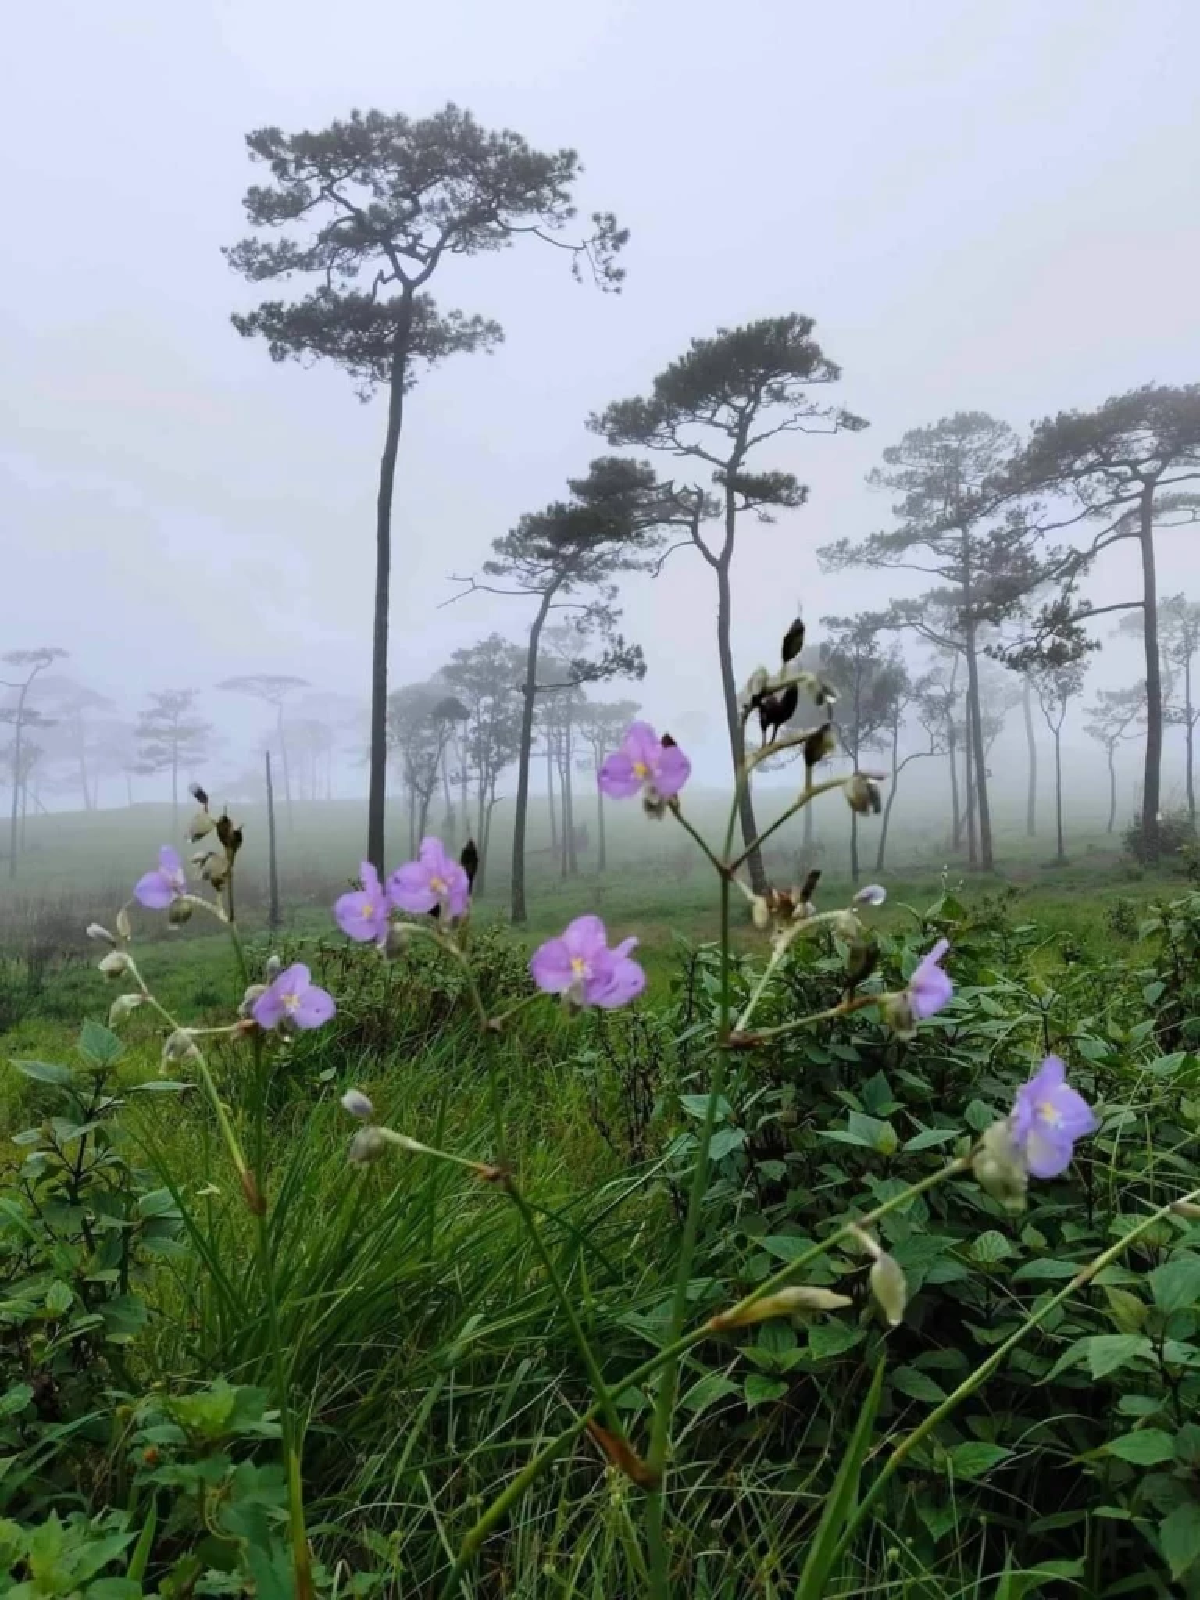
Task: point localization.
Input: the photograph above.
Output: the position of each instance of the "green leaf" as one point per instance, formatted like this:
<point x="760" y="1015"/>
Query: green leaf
<point x="991" y="1247"/>
<point x="1176" y="1285"/>
<point x="724" y="1142"/>
<point x="98" y="1045"/>
<point x="1179" y="1536"/>
<point x="706" y="1391"/>
<point x="929" y="1137"/>
<point x="980" y="1116"/>
<point x="60" y="1297"/>
<point x="827" y="1339"/>
<point x="759" y="1389"/>
<point x="1126" y="1310"/>
<point x="696" y="1105"/>
<point x="46" y="1072"/>
<point x="1045" y="1270"/>
<point x="1108" y="1351"/>
<point x="976" y="1458"/>
<point x="15" y="1399"/>
<point x="1145" y="1447"/>
<point x="157" y="1203"/>
<point x="839" y="1503"/>
<point x="917" y="1385"/>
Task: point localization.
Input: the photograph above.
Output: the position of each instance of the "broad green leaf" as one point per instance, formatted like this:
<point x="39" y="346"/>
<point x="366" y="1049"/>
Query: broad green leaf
<point x="724" y="1142"/>
<point x="976" y="1458"/>
<point x="46" y="1072"/>
<point x="917" y="1385"/>
<point x="826" y="1339"/>
<point x="980" y="1116"/>
<point x="1145" y="1447"/>
<point x="760" y="1390"/>
<point x="1126" y="1310"/>
<point x="99" y="1045"/>
<point x="991" y="1247"/>
<point x="15" y="1399"/>
<point x="1179" y="1536"/>
<point x="60" y="1297"/>
<point x="1045" y="1270"/>
<point x="1108" y="1351"/>
<point x="696" y="1105"/>
<point x="706" y="1391"/>
<point x="1176" y="1284"/>
<point x="929" y="1137"/>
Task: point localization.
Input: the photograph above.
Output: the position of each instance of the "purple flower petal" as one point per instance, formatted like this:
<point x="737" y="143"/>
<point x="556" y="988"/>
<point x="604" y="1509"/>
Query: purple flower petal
<point x="550" y="967"/>
<point x="358" y="916"/>
<point x="316" y="1006"/>
<point x="169" y="863"/>
<point x="409" y="888"/>
<point x="153" y="891"/>
<point x="641" y="745"/>
<point x="672" y="770"/>
<point x="617" y="778"/>
<point x="1048" y="1116"/>
<point x="267" y="1010"/>
<point x="586" y="937"/>
<point x="458" y="892"/>
<point x="929" y="989"/>
<point x="624" y="981"/>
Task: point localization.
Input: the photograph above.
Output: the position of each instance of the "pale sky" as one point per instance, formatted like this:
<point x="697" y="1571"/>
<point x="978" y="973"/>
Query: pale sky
<point x="984" y="207"/>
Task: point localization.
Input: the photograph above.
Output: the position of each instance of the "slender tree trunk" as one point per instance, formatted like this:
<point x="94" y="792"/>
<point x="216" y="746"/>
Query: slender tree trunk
<point x="423" y="815"/>
<point x="975" y="724"/>
<point x="273" y="917"/>
<point x="1031" y="746"/>
<point x="529" y="691"/>
<point x="1112" y="789"/>
<point x="565" y="832"/>
<point x="808" y="830"/>
<point x="1190" y="735"/>
<point x="1154" y="711"/>
<point x="174" y="789"/>
<point x="129" y="788"/>
<point x="569" y="801"/>
<point x="601" y="841"/>
<point x="285" y="764"/>
<point x="737" y="741"/>
<point x="18" y="729"/>
<point x="462" y="783"/>
<point x="891" y="799"/>
<point x="969" y="784"/>
<point x="550" y="801"/>
<point x="1058" y="807"/>
<point x="83" y="776"/>
<point x="377" y="791"/>
<point x="486" y="842"/>
<point x="447" y="798"/>
<point x="955" y="808"/>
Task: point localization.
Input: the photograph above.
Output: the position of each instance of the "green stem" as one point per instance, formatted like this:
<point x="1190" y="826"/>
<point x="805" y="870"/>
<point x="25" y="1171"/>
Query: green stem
<point x="301" y="1559"/>
<point x="676" y="811"/>
<point x="844" y="1008"/>
<point x="984" y="1371"/>
<point x="797" y="805"/>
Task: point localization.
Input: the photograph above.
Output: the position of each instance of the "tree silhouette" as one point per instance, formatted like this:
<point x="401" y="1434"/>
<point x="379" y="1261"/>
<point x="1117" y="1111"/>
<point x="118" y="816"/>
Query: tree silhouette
<point x="1123" y="465"/>
<point x="715" y="406"/>
<point x="565" y="558"/>
<point x="375" y="205"/>
<point x="169" y="733"/>
<point x="601" y="726"/>
<point x="1055" y="688"/>
<point x="486" y="677"/>
<point x="26" y="667"/>
<point x="275" y="688"/>
<point x="870" y="683"/>
<point x="1112" y="720"/>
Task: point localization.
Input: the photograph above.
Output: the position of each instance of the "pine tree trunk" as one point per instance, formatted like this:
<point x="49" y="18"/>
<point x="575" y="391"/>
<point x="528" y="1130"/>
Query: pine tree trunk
<point x="969" y="784"/>
<point x="569" y="801"/>
<point x="1058" y="806"/>
<point x="551" y="805"/>
<point x="129" y="788"/>
<point x="955" y="808"/>
<point x="1154" y="710"/>
<point x="286" y="765"/>
<point x="1112" y="790"/>
<point x="975" y="725"/>
<point x="601" y="842"/>
<point x="18" y="729"/>
<point x="377" y="792"/>
<point x="529" y="691"/>
<point x="1190" y="737"/>
<point x="1031" y="746"/>
<point x="174" y="789"/>
<point x="891" y="799"/>
<point x="737" y="742"/>
<point x="273" y="917"/>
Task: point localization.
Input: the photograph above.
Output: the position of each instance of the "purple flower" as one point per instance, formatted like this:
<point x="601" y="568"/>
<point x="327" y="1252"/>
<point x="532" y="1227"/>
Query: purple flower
<point x="579" y="964"/>
<point x="157" y="889"/>
<point x="929" y="989"/>
<point x="434" y="881"/>
<point x="644" y="762"/>
<point x="363" y="913"/>
<point x="294" y="1000"/>
<point x="1047" y="1118"/>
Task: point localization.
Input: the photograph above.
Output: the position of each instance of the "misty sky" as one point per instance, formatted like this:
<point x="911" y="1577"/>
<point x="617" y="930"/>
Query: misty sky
<point x="989" y="207"/>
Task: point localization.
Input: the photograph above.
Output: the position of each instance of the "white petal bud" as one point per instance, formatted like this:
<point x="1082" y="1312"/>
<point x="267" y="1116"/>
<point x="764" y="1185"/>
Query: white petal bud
<point x="122" y="1006"/>
<point x="871" y="894"/>
<point x="999" y="1169"/>
<point x="846" y="925"/>
<point x="124" y="926"/>
<point x="784" y="1303"/>
<point x="253" y="993"/>
<point x="179" y="912"/>
<point x="200" y="824"/>
<point x="357" y="1104"/>
<point x="273" y="968"/>
<point x="115" y="964"/>
<point x="178" y="1046"/>
<point x="96" y="931"/>
<point x="889" y="1286"/>
<point x="367" y="1145"/>
<point x="760" y="912"/>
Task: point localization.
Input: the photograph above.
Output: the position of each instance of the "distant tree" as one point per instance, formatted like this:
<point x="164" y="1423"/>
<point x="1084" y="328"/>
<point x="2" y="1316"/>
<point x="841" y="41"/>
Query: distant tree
<point x="1111" y="720"/>
<point x="565" y="558"/>
<point x="418" y="731"/>
<point x="923" y="695"/>
<point x="1123" y="465"/>
<point x="952" y="527"/>
<point x="1179" y="631"/>
<point x="380" y="203"/>
<point x="601" y="726"/>
<point x="715" y="405"/>
<point x="486" y="677"/>
<point x="1055" y="688"/>
<point x="24" y="667"/>
<point x="114" y="753"/>
<point x="870" y="684"/>
<point x="276" y="689"/>
<point x="171" y="734"/>
<point x="73" y="707"/>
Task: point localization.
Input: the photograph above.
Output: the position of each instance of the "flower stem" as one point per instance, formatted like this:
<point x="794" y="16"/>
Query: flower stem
<point x="805" y="797"/>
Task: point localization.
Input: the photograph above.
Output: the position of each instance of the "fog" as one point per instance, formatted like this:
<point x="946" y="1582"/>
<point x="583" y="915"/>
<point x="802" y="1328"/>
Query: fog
<point x="987" y="208"/>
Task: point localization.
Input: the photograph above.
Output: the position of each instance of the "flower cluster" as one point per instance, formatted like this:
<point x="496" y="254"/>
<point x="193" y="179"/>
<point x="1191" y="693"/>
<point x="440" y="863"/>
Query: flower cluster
<point x="1038" y="1137"/>
<point x="580" y="965"/>
<point x="433" y="883"/>
<point x="644" y="764"/>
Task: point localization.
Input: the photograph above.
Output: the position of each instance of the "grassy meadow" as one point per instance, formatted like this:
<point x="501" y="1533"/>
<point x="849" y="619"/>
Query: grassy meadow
<point x="441" y="1332"/>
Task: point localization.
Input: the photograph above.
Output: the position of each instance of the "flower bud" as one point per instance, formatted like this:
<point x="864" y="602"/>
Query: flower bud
<point x="358" y="1105"/>
<point x="760" y="912"/>
<point x="653" y="803"/>
<point x="115" y="964"/>
<point x="860" y="961"/>
<point x="179" y="912"/>
<point x="272" y="968"/>
<point x="122" y="1006"/>
<point x="367" y="1145"/>
<point x="846" y="925"/>
<point x="889" y="1286"/>
<point x="96" y="931"/>
<point x="398" y="940"/>
<point x="999" y="1169"/>
<point x="124" y="926"/>
<point x="784" y="1303"/>
<point x="178" y="1046"/>
<point x="871" y="894"/>
<point x="818" y="745"/>
<point x="896" y="1011"/>
<point x="253" y="993"/>
<point x="756" y="687"/>
<point x="215" y="870"/>
<point x="200" y="824"/>
<point x="862" y="794"/>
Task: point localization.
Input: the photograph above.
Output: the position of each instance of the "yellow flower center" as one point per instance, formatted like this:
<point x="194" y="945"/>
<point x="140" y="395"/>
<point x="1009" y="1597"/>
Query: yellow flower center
<point x="1049" y="1113"/>
<point x="291" y="1002"/>
<point x="368" y="910"/>
<point x="580" y="967"/>
<point x="641" y="770"/>
<point x="438" y="885"/>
